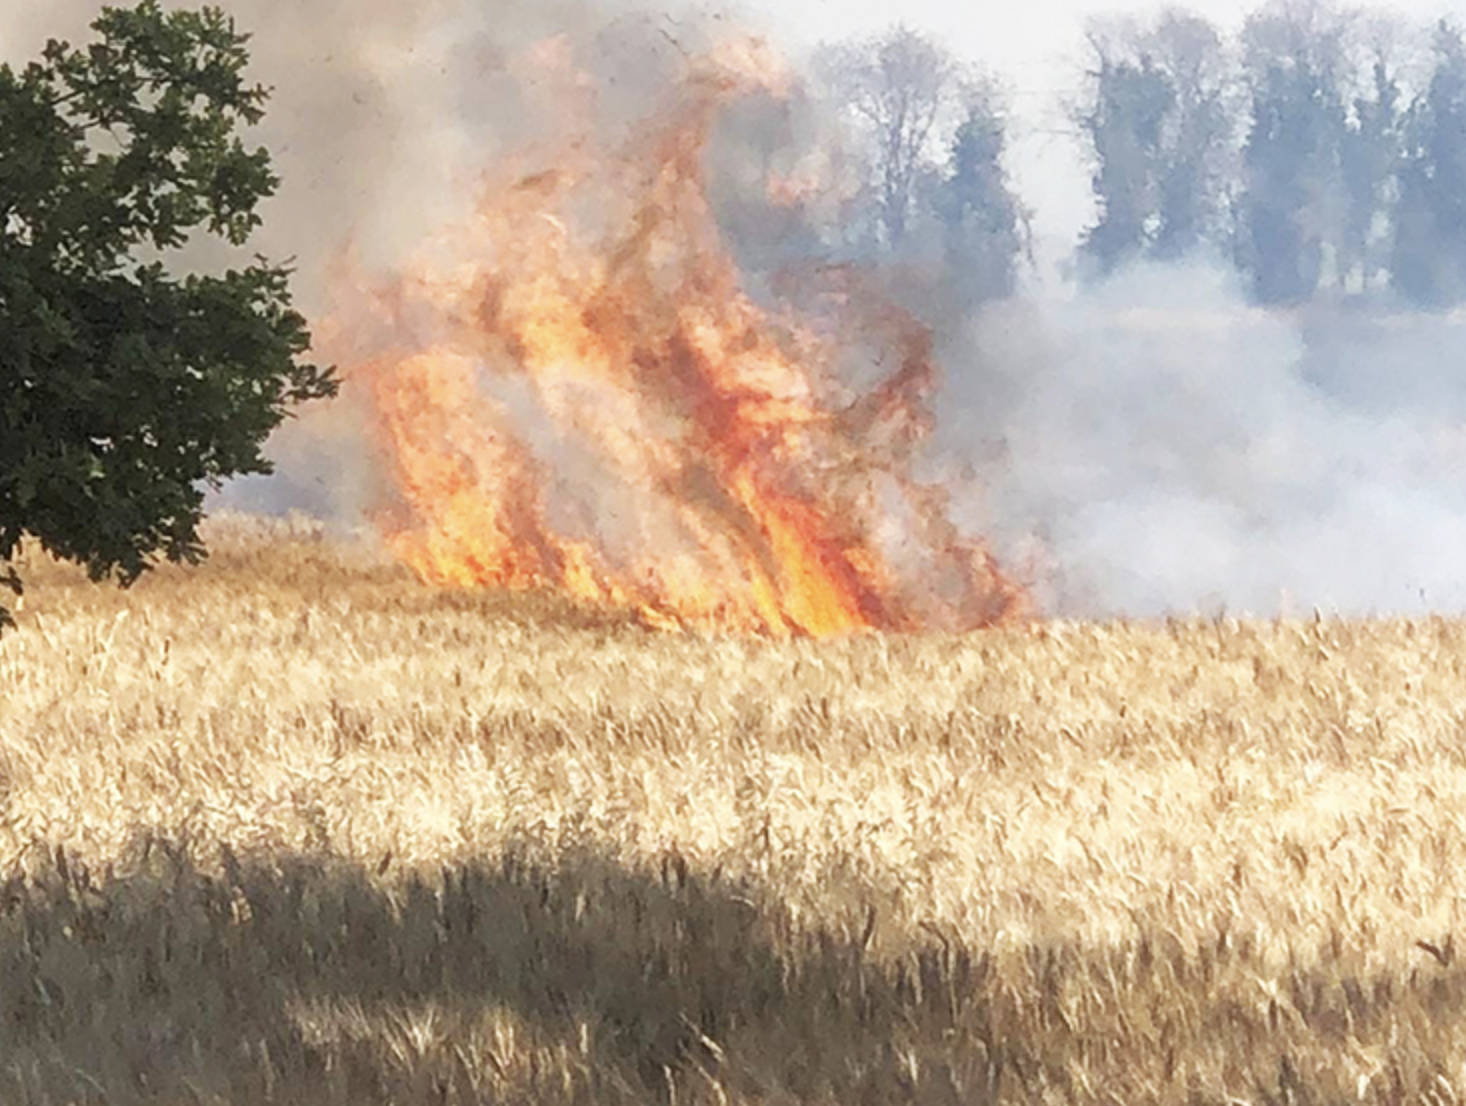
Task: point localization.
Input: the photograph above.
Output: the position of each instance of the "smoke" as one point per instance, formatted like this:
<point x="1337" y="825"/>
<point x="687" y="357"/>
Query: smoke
<point x="1175" y="450"/>
<point x="339" y="131"/>
<point x="382" y="112"/>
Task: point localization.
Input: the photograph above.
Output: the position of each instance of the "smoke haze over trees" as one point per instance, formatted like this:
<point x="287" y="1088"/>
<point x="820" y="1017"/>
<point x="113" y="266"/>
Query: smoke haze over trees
<point x="1317" y="152"/>
<point x="1428" y="263"/>
<point x="930" y="135"/>
<point x="1157" y="124"/>
<point x="1299" y="151"/>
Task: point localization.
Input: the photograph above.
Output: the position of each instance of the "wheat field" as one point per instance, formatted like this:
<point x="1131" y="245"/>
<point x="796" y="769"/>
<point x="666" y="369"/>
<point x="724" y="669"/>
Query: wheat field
<point x="294" y="828"/>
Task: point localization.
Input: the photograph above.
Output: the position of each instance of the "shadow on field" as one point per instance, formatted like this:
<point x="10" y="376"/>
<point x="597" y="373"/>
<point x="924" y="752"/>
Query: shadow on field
<point x="534" y="979"/>
<point x="574" y="978"/>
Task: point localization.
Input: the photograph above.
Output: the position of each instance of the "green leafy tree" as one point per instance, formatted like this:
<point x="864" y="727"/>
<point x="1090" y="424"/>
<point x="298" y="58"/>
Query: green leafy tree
<point x="1281" y="229"/>
<point x="1369" y="159"/>
<point x="1157" y="130"/>
<point x="986" y="227"/>
<point x="1293" y="197"/>
<point x="125" y="390"/>
<point x="1124" y="129"/>
<point x="1193" y="179"/>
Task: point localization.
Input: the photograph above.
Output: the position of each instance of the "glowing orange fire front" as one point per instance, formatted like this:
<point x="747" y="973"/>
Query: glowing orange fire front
<point x="584" y="397"/>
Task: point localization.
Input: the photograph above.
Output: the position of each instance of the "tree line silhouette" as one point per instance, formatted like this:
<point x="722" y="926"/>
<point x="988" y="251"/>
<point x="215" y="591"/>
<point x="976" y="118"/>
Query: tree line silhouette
<point x="1318" y="150"/>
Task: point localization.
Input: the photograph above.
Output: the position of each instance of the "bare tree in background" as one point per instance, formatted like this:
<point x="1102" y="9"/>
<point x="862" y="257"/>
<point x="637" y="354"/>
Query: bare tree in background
<point x="903" y="93"/>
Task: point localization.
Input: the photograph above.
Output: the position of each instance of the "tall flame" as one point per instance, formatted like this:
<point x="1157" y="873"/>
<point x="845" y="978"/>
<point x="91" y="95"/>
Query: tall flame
<point x="583" y="396"/>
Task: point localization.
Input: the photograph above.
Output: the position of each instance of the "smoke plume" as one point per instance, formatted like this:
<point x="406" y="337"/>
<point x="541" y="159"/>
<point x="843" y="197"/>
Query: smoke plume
<point x="1152" y="445"/>
<point x="1177" y="451"/>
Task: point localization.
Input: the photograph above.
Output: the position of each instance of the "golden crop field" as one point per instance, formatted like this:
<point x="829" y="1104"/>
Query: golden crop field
<point x="294" y="828"/>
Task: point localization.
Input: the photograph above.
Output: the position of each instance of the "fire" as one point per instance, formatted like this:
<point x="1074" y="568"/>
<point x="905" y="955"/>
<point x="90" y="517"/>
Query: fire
<point x="578" y="393"/>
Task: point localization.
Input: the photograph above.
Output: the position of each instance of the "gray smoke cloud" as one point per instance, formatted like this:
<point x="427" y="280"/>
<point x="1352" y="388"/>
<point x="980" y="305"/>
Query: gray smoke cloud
<point x="383" y="114"/>
<point x="1177" y="451"/>
<point x="1161" y="445"/>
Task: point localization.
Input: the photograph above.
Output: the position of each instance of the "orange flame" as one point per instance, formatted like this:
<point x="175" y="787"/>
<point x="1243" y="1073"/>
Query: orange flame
<point x="586" y="398"/>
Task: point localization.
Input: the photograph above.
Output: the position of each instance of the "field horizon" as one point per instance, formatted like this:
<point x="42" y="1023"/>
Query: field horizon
<point x="292" y="827"/>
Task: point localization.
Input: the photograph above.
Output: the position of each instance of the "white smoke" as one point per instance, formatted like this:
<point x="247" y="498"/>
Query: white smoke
<point x="1179" y="451"/>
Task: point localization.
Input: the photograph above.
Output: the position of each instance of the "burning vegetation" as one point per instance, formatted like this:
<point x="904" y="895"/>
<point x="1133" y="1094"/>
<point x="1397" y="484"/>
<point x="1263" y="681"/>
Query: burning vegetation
<point x="578" y="392"/>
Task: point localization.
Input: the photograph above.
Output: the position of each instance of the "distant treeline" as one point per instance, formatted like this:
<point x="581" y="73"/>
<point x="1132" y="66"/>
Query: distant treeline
<point x="1318" y="150"/>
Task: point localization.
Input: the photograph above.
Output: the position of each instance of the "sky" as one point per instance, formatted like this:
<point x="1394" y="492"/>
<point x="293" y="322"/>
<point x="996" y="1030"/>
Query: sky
<point x="1005" y="35"/>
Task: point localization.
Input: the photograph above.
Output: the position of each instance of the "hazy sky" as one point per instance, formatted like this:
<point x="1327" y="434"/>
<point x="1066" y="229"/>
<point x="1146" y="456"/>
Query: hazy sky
<point x="1031" y="39"/>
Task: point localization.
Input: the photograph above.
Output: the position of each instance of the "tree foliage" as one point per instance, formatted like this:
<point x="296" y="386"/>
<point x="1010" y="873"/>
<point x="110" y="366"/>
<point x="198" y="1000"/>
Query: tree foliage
<point x="1292" y="201"/>
<point x="1369" y="159"/>
<point x="1303" y="152"/>
<point x="1124" y="127"/>
<point x="1155" y="125"/>
<point x="1429" y="255"/>
<point x="125" y="390"/>
<point x="986" y="227"/>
